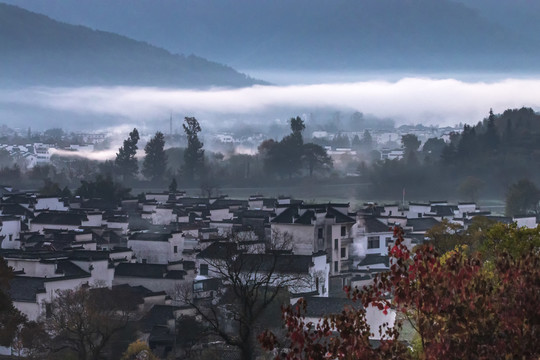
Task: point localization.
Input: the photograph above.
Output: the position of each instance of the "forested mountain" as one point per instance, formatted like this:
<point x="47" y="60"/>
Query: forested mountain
<point x="399" y="35"/>
<point x="36" y="50"/>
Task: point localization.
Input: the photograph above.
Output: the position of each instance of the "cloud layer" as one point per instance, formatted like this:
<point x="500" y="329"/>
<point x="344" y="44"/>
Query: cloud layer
<point x="407" y="101"/>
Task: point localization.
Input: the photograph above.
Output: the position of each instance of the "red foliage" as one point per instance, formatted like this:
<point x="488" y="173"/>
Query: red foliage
<point x="460" y="307"/>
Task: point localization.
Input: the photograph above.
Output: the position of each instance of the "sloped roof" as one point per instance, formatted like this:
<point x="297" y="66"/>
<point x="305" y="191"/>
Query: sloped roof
<point x="23" y="288"/>
<point x="321" y="306"/>
<point x="422" y="224"/>
<point x="68" y="268"/>
<point x="16" y="209"/>
<point x="277" y="263"/>
<point x="373" y="225"/>
<point x="154" y="271"/>
<point x="218" y="250"/>
<point x="286" y="216"/>
<point x="372" y="259"/>
<point x="147" y="236"/>
<point x="59" y="218"/>
<point x="306" y="218"/>
<point x="138" y="291"/>
<point x="158" y="315"/>
<point x="443" y="210"/>
<point x="339" y="216"/>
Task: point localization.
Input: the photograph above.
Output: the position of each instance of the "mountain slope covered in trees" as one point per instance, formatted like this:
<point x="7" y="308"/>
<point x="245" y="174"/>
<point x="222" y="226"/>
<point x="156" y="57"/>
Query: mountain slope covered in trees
<point x="400" y="35"/>
<point x="36" y="50"/>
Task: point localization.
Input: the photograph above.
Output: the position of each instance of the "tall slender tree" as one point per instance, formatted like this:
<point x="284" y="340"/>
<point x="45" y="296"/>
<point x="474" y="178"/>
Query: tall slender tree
<point x="155" y="161"/>
<point x="125" y="158"/>
<point x="194" y="153"/>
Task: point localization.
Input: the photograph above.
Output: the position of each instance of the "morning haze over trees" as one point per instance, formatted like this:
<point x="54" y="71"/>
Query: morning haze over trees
<point x="364" y="203"/>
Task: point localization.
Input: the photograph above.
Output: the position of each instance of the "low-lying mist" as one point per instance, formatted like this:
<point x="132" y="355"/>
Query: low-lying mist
<point x="406" y="101"/>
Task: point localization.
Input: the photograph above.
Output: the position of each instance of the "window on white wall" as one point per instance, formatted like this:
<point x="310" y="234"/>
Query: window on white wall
<point x="204" y="269"/>
<point x="373" y="242"/>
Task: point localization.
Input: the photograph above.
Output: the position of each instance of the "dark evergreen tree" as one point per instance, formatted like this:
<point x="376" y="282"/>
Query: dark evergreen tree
<point x="194" y="153"/>
<point x="297" y="126"/>
<point x="125" y="158"/>
<point x="468" y="144"/>
<point x="155" y="161"/>
<point x="522" y="198"/>
<point x="103" y="188"/>
<point x="411" y="144"/>
<point x="173" y="186"/>
<point x="433" y="149"/>
<point x="356" y="143"/>
<point x="316" y="157"/>
<point x="367" y="141"/>
<point x="10" y="317"/>
<point x="491" y="137"/>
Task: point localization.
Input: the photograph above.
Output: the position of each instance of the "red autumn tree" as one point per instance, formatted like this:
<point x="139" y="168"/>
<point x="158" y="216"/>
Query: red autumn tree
<point x="460" y="306"/>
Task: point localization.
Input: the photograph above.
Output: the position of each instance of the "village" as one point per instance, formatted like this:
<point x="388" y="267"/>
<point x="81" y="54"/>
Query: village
<point x="178" y="254"/>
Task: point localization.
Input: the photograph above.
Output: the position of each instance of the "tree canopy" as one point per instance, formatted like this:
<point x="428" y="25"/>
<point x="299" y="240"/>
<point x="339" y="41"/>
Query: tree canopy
<point x="459" y="305"/>
<point x="522" y="198"/>
<point x="10" y="317"/>
<point x="194" y="153"/>
<point x="155" y="161"/>
<point x="125" y="158"/>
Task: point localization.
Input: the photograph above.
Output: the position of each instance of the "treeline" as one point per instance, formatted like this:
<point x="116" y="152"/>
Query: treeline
<point x="484" y="160"/>
<point x="283" y="160"/>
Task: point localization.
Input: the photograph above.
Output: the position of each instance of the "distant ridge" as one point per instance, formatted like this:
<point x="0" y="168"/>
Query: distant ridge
<point x="37" y="50"/>
<point x="326" y="35"/>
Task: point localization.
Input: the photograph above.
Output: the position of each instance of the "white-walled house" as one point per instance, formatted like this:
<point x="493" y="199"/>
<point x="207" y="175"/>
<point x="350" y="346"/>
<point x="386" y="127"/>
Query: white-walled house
<point x="319" y="307"/>
<point x="93" y="265"/>
<point x="370" y="236"/>
<point x="314" y="228"/>
<point x="31" y="294"/>
<point x="526" y="221"/>
<point x="157" y="248"/>
<point x="49" y="203"/>
<point x="164" y="215"/>
<point x="58" y="220"/>
<point x="10" y="230"/>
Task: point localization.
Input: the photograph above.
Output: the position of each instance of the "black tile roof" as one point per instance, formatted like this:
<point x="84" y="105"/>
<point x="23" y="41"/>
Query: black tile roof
<point x="148" y="236"/>
<point x="422" y="224"/>
<point x="175" y="274"/>
<point x="287" y="264"/>
<point x="138" y="291"/>
<point x="287" y="216"/>
<point x="60" y="218"/>
<point x="16" y="209"/>
<point x="154" y="271"/>
<point x="372" y="259"/>
<point x="23" y="288"/>
<point x="321" y="306"/>
<point x="218" y="250"/>
<point x="339" y="216"/>
<point x="373" y="225"/>
<point x="68" y="268"/>
<point x="443" y="210"/>
<point x="158" y="315"/>
<point x="306" y="218"/>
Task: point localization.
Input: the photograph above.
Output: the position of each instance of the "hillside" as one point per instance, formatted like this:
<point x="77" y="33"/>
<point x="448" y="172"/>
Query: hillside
<point x="36" y="50"/>
<point x="425" y="35"/>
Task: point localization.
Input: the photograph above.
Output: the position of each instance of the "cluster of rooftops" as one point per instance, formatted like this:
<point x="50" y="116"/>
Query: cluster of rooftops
<point x="155" y="242"/>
